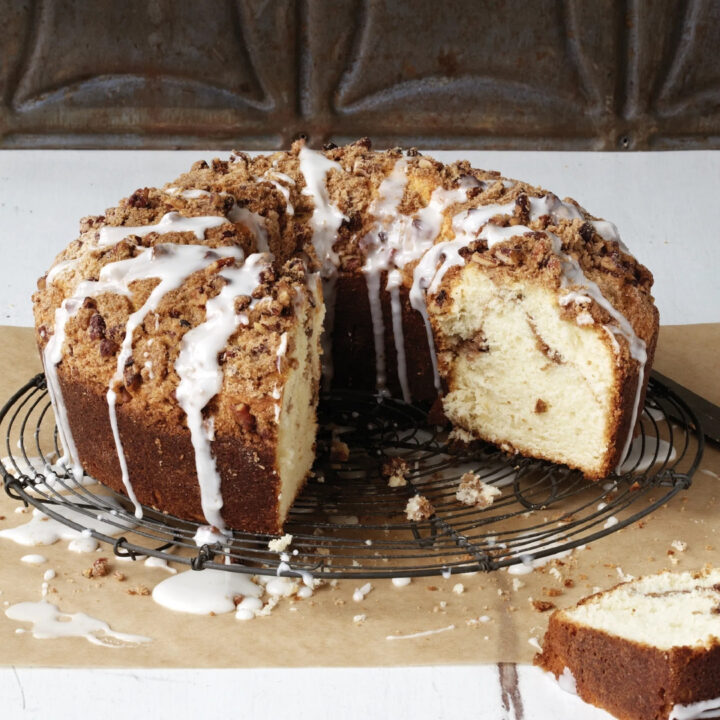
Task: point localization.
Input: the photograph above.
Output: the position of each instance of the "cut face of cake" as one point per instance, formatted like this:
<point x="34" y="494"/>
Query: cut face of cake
<point x="183" y="332"/>
<point x="645" y="649"/>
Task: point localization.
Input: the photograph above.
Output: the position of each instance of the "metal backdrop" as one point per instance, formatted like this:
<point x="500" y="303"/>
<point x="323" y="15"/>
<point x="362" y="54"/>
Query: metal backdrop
<point x="530" y="74"/>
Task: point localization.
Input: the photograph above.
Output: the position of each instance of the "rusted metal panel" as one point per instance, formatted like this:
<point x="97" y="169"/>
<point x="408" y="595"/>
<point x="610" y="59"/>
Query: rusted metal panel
<point x="550" y="74"/>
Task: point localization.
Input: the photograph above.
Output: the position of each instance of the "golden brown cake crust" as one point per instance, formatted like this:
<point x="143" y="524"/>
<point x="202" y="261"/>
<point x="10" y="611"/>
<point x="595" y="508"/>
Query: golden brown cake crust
<point x="160" y="463"/>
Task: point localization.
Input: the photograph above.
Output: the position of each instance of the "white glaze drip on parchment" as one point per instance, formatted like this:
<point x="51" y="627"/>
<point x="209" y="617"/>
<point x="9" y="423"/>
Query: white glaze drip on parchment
<point x="205" y="591"/>
<point x="201" y="376"/>
<point x="50" y="622"/>
<point x="324" y="223"/>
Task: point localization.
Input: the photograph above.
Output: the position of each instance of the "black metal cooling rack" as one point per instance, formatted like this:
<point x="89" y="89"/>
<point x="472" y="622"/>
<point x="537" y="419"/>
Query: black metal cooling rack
<point x="349" y="523"/>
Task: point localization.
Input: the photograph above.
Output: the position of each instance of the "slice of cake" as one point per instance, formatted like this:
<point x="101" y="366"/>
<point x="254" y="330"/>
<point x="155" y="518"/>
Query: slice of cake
<point x="647" y="649"/>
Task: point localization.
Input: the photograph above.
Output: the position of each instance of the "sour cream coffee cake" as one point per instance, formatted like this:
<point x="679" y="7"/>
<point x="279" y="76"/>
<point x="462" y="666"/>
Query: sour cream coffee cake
<point x="185" y="334"/>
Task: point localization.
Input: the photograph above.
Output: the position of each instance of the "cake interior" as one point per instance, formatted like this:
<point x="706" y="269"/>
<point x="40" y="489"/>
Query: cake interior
<point x="518" y="374"/>
<point x="665" y="611"/>
<point x="297" y="422"/>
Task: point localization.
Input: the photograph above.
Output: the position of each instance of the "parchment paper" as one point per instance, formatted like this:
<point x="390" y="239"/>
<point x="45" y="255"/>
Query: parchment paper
<point x="320" y="631"/>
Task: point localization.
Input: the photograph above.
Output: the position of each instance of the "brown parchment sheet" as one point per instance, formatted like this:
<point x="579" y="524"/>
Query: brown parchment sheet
<point x="320" y="631"/>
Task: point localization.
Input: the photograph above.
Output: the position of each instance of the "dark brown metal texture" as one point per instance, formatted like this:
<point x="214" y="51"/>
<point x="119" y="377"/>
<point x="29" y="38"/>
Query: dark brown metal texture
<point x="501" y="74"/>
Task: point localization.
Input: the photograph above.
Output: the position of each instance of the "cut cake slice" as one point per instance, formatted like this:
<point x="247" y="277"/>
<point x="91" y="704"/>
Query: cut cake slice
<point x="646" y="649"/>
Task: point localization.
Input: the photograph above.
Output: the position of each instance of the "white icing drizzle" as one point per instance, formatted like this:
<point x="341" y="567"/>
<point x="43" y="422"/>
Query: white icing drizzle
<point x="281" y="351"/>
<point x="384" y="210"/>
<point x="33" y="559"/>
<point x="325" y="223"/>
<point x="43" y="530"/>
<point x="52" y="355"/>
<point x="254" y="221"/>
<point x="50" y="622"/>
<point x="172" y="265"/>
<point x="170" y="222"/>
<point x="201" y="376"/>
<point x="60" y="269"/>
<point x="394" y="281"/>
<point x="284" y="191"/>
<point x="326" y="218"/>
<point x="208" y="535"/>
<point x="156" y="562"/>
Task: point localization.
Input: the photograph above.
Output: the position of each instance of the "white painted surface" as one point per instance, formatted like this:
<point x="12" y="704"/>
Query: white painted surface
<point x="665" y="205"/>
<point x="423" y="693"/>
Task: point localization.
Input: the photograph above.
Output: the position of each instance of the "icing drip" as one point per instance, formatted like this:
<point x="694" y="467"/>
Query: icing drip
<point x="384" y="209"/>
<point x="393" y="285"/>
<point x="325" y="223"/>
<point x="326" y="218"/>
<point x="201" y="376"/>
<point x="60" y="269"/>
<point x="281" y="351"/>
<point x="52" y="355"/>
<point x="404" y="240"/>
<point x="284" y="191"/>
<point x="252" y="220"/>
<point x="255" y="222"/>
<point x="170" y="222"/>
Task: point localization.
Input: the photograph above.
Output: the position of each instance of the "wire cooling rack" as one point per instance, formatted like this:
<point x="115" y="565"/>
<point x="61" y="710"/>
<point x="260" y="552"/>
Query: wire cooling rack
<point x="349" y="523"/>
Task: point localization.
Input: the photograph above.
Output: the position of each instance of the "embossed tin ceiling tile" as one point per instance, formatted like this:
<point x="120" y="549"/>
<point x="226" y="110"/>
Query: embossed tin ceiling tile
<point x="463" y="73"/>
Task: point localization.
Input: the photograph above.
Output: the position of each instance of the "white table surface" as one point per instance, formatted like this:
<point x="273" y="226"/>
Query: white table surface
<point x="667" y="207"/>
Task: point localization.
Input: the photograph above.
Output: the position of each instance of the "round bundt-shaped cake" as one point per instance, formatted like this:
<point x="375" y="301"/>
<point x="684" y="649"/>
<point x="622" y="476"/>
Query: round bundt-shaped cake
<point x="185" y="334"/>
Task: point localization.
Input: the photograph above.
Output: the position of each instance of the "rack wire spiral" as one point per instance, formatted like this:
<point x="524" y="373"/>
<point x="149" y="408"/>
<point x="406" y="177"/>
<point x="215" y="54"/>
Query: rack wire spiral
<point x="349" y="523"/>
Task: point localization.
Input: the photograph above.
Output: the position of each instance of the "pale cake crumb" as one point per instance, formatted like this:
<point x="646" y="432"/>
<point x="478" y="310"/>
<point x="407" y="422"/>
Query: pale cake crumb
<point x="281" y="543"/>
<point x="474" y="492"/>
<point x="418" y="508"/>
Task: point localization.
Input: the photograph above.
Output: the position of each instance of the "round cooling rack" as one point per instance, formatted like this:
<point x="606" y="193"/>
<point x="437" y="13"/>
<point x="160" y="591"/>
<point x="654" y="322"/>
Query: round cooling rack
<point x="348" y="522"/>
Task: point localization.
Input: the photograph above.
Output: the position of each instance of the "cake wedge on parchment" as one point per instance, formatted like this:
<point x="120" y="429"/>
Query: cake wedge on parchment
<point x="648" y="649"/>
